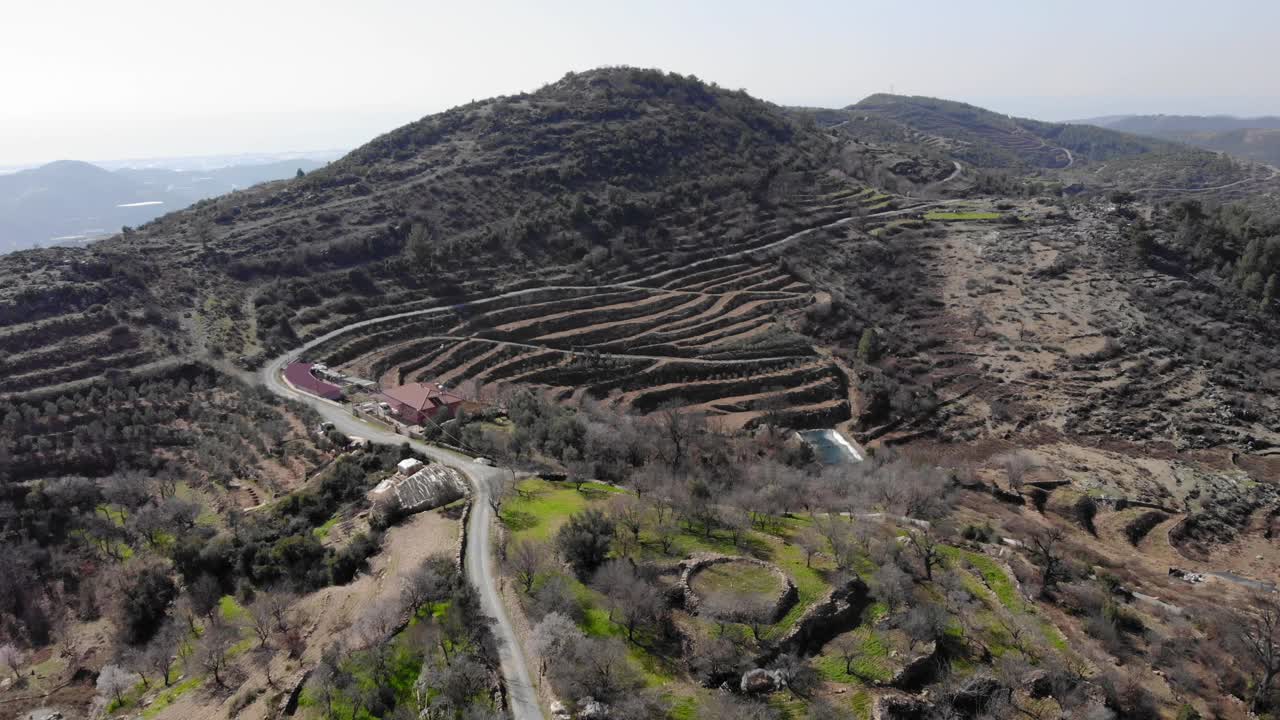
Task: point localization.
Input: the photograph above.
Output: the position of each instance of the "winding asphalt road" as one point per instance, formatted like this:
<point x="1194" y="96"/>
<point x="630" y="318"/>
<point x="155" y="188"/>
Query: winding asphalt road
<point x="479" y="563"/>
<point x="521" y="698"/>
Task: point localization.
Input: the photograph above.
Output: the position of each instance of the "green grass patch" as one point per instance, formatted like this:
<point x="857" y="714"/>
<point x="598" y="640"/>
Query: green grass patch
<point x="861" y="705"/>
<point x="322" y="532"/>
<point x="789" y="707"/>
<point x="114" y="514"/>
<point x="993" y="577"/>
<point x="960" y="216"/>
<point x="872" y="663"/>
<point x="684" y="708"/>
<point x="740" y="578"/>
<point x="540" y="507"/>
<point x="997" y="582"/>
<point x="169" y="694"/>
<point x="231" y="609"/>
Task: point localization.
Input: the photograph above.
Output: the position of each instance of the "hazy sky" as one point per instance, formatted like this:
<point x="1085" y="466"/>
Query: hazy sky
<point x="89" y="79"/>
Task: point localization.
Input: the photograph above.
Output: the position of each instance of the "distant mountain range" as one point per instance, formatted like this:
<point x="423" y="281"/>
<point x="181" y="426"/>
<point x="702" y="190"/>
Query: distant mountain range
<point x="1250" y="138"/>
<point x="71" y="202"/>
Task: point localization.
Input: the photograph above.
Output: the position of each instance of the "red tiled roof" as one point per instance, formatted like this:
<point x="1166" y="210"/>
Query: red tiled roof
<point x="422" y="395"/>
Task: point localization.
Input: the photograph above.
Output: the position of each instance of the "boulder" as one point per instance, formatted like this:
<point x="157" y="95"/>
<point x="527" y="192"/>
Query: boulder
<point x="591" y="709"/>
<point x="760" y="681"/>
<point x="559" y="711"/>
<point x="900" y="707"/>
<point x="1038" y="684"/>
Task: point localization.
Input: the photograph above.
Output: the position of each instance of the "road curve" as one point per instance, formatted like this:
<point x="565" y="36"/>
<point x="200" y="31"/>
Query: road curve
<point x="521" y="697"/>
<point x="1275" y="172"/>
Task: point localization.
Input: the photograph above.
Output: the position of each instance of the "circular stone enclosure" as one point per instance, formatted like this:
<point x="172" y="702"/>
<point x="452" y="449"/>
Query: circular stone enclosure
<point x="735" y="588"/>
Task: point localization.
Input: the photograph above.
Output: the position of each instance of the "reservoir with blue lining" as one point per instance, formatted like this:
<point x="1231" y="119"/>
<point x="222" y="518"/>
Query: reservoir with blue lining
<point x="831" y="447"/>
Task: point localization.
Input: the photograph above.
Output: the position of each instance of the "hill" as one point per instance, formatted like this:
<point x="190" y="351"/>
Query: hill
<point x="1249" y="138"/>
<point x="989" y="139"/>
<point x="70" y="201"/>
<point x="1059" y="373"/>
<point x="1172" y="125"/>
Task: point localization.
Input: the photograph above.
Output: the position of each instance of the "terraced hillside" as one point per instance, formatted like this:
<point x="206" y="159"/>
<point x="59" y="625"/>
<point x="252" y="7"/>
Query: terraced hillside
<point x="713" y="336"/>
<point x="982" y="137"/>
<point x="612" y="174"/>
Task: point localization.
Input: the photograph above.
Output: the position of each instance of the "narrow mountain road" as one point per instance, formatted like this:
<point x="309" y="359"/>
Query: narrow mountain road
<point x="479" y="563"/>
<point x="954" y="174"/>
<point x="479" y="568"/>
<point x="1158" y="188"/>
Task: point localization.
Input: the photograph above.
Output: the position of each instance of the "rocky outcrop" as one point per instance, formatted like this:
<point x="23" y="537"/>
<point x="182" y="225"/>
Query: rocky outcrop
<point x="591" y="709"/>
<point x="759" y="681"/>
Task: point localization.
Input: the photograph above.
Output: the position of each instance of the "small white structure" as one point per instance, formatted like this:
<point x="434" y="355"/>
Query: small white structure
<point x="408" y="466"/>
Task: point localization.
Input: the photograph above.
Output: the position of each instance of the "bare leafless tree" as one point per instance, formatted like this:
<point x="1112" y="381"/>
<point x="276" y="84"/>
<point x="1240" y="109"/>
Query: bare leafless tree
<point x="891" y="586"/>
<point x="665" y="533"/>
<point x="1016" y="466"/>
<point x="926" y="544"/>
<point x="1046" y="550"/>
<point x="811" y="542"/>
<point x="1258" y="631"/>
<point x="528" y="559"/>
<point x="113" y="681"/>
<point x="259" y="618"/>
<point x="12" y="658"/>
<point x="628" y="515"/>
<point x="213" y="654"/>
<point x="159" y="653"/>
<point x="378" y="620"/>
<point x="634" y="603"/>
<point x="553" y="637"/>
<point x="849" y="648"/>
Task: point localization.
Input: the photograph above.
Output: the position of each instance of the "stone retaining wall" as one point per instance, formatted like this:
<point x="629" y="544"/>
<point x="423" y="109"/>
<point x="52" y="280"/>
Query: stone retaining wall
<point x="700" y="561"/>
<point x="784" y="601"/>
<point x="460" y="551"/>
<point x="837" y="611"/>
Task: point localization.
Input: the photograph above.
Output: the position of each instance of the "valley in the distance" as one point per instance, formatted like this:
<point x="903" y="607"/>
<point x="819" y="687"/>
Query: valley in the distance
<point x="636" y="397"/>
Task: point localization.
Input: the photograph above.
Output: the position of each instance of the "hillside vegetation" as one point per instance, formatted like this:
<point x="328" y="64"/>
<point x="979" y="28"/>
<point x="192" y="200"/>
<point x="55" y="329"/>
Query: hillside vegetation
<point x="1053" y="342"/>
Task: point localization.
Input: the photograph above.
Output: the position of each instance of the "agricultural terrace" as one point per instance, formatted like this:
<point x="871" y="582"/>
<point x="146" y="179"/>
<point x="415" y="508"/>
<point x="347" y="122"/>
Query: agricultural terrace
<point x="691" y="325"/>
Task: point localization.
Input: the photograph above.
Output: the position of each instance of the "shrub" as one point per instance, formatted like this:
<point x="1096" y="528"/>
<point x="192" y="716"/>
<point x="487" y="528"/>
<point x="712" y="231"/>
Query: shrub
<point x="354" y="557"/>
<point x="145" y="593"/>
<point x="584" y="541"/>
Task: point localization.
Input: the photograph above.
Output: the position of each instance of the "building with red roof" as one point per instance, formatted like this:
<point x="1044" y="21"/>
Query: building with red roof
<point x="300" y="376"/>
<point x="416" y="403"/>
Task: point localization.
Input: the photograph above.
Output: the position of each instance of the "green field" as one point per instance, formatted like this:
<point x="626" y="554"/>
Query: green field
<point x="736" y="577"/>
<point x="872" y="663"/>
<point x="540" y="507"/>
<point x="959" y="216"/>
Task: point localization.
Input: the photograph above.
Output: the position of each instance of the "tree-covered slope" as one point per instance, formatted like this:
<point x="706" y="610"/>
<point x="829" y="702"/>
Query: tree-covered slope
<point x="990" y="139"/>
